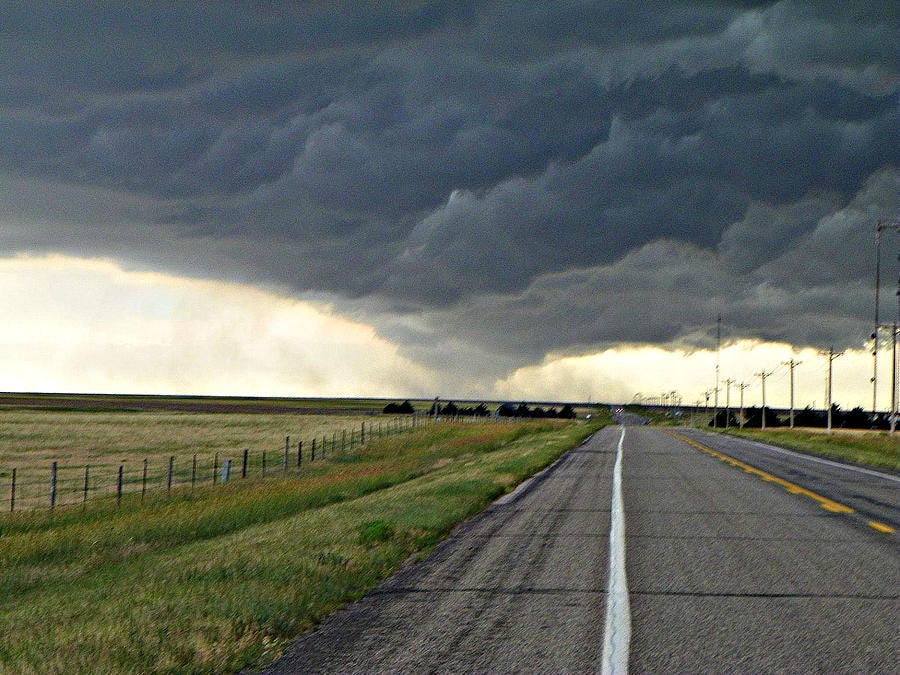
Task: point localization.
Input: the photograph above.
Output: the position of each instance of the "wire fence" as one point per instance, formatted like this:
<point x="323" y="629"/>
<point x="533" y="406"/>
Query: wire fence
<point x="71" y="483"/>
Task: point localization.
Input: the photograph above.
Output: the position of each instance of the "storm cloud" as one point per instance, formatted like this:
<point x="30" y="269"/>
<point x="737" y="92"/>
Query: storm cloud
<point x="490" y="178"/>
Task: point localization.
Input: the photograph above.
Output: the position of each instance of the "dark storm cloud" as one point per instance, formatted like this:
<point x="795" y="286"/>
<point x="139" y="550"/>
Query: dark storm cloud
<point x="496" y="169"/>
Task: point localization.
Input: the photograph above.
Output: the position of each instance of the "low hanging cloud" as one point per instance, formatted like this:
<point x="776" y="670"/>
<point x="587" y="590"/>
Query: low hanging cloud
<point x="484" y="184"/>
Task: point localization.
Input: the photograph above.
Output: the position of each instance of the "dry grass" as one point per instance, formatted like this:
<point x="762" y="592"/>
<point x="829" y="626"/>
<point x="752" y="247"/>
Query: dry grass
<point x="30" y="440"/>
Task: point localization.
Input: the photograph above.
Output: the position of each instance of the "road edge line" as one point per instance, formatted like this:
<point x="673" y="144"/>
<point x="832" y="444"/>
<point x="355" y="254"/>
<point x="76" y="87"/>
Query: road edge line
<point x="617" y="628"/>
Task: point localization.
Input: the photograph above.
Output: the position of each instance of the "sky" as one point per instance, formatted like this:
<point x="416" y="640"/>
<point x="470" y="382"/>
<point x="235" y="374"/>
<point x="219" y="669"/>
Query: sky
<point x="541" y="201"/>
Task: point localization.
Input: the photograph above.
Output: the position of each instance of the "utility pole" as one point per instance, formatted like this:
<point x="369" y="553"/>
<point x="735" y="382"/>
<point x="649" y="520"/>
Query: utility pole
<point x="893" y="416"/>
<point x="831" y="357"/>
<point x="716" y="390"/>
<point x="728" y="384"/>
<point x="881" y="225"/>
<point x="790" y="364"/>
<point x="707" y="394"/>
<point x="742" y="387"/>
<point x="763" y="375"/>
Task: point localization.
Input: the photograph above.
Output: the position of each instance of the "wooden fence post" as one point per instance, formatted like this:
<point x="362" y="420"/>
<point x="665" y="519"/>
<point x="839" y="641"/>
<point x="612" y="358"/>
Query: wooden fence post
<point x="169" y="474"/>
<point x="12" y="493"/>
<point x="53" y="469"/>
<point x="264" y="463"/>
<point x="244" y="463"/>
<point x="299" y="453"/>
<point x="86" y="484"/>
<point x="362" y="434"/>
<point x="119" y="485"/>
<point x="313" y="451"/>
<point x="215" y="468"/>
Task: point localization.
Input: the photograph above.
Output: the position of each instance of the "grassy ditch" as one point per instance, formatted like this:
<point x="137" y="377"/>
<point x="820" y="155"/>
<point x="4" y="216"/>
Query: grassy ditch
<point x="871" y="448"/>
<point x="223" y="579"/>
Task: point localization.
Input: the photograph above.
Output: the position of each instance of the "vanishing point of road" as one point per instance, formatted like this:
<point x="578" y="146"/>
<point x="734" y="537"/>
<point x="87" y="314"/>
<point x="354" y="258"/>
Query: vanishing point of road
<point x="734" y="557"/>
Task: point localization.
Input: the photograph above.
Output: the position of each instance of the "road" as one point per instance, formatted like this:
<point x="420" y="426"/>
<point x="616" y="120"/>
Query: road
<point x="726" y="572"/>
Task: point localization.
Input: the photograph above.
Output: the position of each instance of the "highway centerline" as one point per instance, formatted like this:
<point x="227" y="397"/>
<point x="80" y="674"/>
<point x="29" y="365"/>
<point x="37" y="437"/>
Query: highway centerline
<point x="617" y="629"/>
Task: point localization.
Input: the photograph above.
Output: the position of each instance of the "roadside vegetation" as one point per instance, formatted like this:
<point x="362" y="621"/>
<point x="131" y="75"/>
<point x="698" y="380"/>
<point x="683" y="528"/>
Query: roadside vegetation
<point x="222" y="579"/>
<point x="871" y="448"/>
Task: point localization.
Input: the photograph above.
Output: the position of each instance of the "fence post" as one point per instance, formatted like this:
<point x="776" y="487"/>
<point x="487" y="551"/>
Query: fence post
<point x="119" y="484"/>
<point x="324" y="439"/>
<point x="144" y="480"/>
<point x="193" y="472"/>
<point x="264" y="463"/>
<point x="169" y="474"/>
<point x="215" y="467"/>
<point x="333" y="439"/>
<point x="244" y="463"/>
<point x="226" y="471"/>
<point x="86" y="484"/>
<point x="53" y="469"/>
<point x="287" y="449"/>
<point x="313" y="451"/>
<point x="12" y="493"/>
<point x="343" y="440"/>
<point x="299" y="453"/>
<point x="362" y="434"/>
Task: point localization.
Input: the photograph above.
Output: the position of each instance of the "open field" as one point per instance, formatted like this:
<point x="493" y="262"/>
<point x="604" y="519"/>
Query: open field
<point x="30" y="440"/>
<point x="219" y="580"/>
<point x="872" y="448"/>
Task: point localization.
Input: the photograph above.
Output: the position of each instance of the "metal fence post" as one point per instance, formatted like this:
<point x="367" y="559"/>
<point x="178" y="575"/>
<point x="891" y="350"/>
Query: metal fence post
<point x="299" y="453"/>
<point x="244" y="463"/>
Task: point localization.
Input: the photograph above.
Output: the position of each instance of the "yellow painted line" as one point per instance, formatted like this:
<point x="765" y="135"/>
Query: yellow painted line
<point x="881" y="527"/>
<point x="793" y="488"/>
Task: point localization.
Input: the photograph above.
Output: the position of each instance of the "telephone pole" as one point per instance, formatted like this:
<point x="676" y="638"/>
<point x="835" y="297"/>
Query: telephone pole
<point x="883" y="224"/>
<point x="742" y="387"/>
<point x="763" y="375"/>
<point x="728" y="384"/>
<point x="716" y="390"/>
<point x="832" y="355"/>
<point x="791" y="364"/>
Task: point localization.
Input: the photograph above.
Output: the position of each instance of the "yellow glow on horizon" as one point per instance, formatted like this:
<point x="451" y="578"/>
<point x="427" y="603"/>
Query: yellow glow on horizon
<point x="621" y="373"/>
<point x="87" y="325"/>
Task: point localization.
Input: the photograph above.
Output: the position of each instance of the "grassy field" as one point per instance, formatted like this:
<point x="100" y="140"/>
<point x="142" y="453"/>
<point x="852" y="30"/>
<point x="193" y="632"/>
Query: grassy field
<point x="872" y="448"/>
<point x="31" y="439"/>
<point x="222" y="579"/>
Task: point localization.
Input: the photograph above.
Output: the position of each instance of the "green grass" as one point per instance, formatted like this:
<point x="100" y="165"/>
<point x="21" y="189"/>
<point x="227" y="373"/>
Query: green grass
<point x="223" y="579"/>
<point x="871" y="448"/>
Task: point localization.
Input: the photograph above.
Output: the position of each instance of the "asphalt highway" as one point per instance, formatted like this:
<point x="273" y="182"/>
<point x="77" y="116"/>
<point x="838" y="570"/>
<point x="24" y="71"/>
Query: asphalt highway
<point x="729" y="569"/>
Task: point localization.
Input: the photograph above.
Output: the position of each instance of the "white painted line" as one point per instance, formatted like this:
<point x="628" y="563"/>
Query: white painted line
<point x="617" y="630"/>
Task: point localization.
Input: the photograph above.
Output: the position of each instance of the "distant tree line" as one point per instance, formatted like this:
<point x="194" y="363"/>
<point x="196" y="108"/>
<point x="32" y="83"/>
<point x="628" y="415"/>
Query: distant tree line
<point x="450" y="409"/>
<point x="853" y="419"/>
